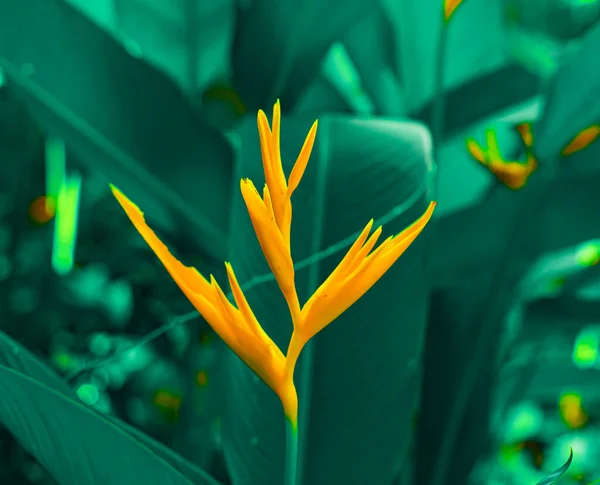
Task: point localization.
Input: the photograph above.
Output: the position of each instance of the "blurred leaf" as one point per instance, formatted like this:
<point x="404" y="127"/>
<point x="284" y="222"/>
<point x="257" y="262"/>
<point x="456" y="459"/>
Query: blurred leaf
<point x="476" y="236"/>
<point x="17" y="360"/>
<point x="451" y="336"/>
<point x="375" y="62"/>
<point x="359" y="379"/>
<point x="567" y="111"/>
<point x="279" y="46"/>
<point x="321" y="96"/>
<point x="119" y="116"/>
<point x="189" y="40"/>
<point x="73" y="443"/>
<point x="474" y="44"/>
<point x="483" y="96"/>
<point x="473" y="238"/>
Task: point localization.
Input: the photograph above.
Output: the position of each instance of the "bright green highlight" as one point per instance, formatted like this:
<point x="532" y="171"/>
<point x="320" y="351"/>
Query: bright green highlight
<point x="339" y="69"/>
<point x="589" y="254"/>
<point x="526" y="419"/>
<point x="55" y="156"/>
<point x="291" y="453"/>
<point x="585" y="351"/>
<point x="88" y="393"/>
<point x="65" y="228"/>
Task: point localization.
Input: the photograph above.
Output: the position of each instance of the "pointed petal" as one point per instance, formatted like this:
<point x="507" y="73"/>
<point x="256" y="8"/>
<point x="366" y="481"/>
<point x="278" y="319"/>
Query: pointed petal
<point x="302" y="160"/>
<point x="276" y="150"/>
<point x="369" y="245"/>
<point x="476" y="151"/>
<point x="192" y="283"/>
<point x="583" y="139"/>
<point x="265" y="359"/>
<point x="270" y="239"/>
<point x="526" y="134"/>
<point x="450" y="7"/>
<point x="242" y="303"/>
<point x="330" y="304"/>
<point x="344" y="267"/>
<point x="227" y="310"/>
<point x="492" y="145"/>
<point x="350" y="257"/>
<point x="188" y="275"/>
<point x="264" y="134"/>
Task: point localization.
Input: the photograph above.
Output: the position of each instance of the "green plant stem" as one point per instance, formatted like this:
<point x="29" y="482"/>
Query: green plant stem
<point x="291" y="453"/>
<point x="439" y="104"/>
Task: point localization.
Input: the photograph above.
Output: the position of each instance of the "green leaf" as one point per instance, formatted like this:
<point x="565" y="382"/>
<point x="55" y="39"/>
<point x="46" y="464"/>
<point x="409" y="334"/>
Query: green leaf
<point x="172" y="34"/>
<point x="375" y="62"/>
<point x="80" y="447"/>
<point x="474" y="44"/>
<point x="482" y="97"/>
<point x="119" y="117"/>
<point x="279" y="46"/>
<point x="567" y="110"/>
<point x="359" y="379"/>
<point x="474" y="238"/>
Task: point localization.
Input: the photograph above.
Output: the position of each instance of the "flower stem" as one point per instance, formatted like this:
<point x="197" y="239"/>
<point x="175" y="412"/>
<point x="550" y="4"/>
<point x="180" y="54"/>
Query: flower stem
<point x="291" y="452"/>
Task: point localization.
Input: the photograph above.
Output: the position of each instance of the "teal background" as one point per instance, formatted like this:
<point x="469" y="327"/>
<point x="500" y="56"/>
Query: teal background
<point x="453" y="369"/>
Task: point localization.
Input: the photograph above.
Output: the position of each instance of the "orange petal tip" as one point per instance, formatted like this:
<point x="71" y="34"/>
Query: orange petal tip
<point x="450" y="7"/>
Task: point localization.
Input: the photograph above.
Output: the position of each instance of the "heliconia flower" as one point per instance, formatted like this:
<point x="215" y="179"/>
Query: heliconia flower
<point x="356" y="273"/>
<point x="271" y="217"/>
<point x="513" y="174"/>
<point x="238" y="327"/>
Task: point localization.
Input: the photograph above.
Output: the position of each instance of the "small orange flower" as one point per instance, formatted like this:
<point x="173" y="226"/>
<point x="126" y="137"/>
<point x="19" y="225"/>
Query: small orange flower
<point x="271" y="217"/>
<point x="511" y="173"/>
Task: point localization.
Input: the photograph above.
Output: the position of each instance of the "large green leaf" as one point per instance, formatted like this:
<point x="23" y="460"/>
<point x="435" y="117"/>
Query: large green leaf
<point x="474" y="43"/>
<point x="189" y="41"/>
<point x="568" y="110"/>
<point x="476" y="236"/>
<point x="358" y="380"/>
<point x="483" y="96"/>
<point x="78" y="454"/>
<point x="119" y="116"/>
<point x="375" y="62"/>
<point x="279" y="46"/>
<point x="452" y="333"/>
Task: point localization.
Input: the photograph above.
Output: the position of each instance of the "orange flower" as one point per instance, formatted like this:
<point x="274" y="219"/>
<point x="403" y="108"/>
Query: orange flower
<point x="238" y="327"/>
<point x="271" y="217"/>
<point x="511" y="173"/>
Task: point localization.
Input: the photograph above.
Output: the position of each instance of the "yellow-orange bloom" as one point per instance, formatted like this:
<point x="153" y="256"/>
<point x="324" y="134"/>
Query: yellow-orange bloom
<point x="271" y="217"/>
<point x="511" y="173"/>
<point x="358" y="271"/>
<point x="238" y="327"/>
